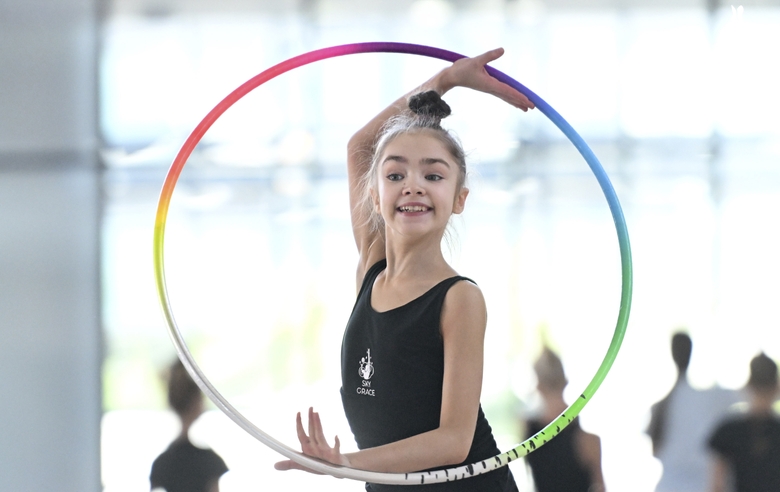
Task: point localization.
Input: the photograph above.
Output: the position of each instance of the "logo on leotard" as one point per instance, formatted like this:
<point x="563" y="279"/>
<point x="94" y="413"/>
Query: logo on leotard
<point x="366" y="371"/>
<point x="366" y="367"/>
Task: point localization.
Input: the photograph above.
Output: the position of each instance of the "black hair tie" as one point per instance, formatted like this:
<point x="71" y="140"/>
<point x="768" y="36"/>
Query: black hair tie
<point x="429" y="104"/>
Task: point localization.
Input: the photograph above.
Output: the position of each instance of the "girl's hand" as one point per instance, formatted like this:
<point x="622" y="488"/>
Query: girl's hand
<point x="315" y="445"/>
<point x="471" y="73"/>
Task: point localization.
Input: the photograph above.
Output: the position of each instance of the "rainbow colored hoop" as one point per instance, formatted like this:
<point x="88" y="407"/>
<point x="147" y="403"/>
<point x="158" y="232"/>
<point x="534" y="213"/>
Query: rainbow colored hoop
<point x="444" y="475"/>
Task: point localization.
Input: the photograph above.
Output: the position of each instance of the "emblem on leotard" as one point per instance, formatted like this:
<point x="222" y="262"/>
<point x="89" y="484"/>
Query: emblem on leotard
<point x="366" y="367"/>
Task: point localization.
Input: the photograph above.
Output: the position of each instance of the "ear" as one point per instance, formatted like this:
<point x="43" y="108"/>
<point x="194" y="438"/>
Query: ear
<point x="460" y="201"/>
<point x="375" y="200"/>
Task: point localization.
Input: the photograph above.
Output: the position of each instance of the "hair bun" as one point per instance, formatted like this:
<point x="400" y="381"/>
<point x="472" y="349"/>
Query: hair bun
<point x="429" y="104"/>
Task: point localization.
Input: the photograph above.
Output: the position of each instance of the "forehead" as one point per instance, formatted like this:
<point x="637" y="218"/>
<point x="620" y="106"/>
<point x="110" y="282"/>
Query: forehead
<point x="416" y="146"/>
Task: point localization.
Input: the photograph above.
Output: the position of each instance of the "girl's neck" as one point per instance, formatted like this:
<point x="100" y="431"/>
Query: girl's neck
<point x="419" y="260"/>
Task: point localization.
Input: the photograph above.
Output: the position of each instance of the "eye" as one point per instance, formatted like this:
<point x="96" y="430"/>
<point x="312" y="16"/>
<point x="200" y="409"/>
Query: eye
<point x="434" y="177"/>
<point x="395" y="177"/>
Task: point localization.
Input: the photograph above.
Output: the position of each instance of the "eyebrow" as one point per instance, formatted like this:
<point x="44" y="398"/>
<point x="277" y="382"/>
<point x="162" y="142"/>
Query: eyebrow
<point x="424" y="160"/>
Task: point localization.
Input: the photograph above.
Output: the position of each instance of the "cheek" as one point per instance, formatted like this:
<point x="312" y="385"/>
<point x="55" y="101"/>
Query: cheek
<point x="385" y="191"/>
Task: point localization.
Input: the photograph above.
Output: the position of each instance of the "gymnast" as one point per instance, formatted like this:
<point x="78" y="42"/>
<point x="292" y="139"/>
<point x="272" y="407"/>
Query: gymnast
<point x="412" y="353"/>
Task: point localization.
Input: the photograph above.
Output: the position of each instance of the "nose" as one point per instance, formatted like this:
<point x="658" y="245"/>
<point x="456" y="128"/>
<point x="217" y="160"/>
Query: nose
<point x="413" y="187"/>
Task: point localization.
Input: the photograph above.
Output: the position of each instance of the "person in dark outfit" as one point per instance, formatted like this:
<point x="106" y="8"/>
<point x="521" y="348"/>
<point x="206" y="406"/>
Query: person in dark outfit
<point x="570" y="462"/>
<point x="746" y="448"/>
<point x="412" y="354"/>
<point x="184" y="467"/>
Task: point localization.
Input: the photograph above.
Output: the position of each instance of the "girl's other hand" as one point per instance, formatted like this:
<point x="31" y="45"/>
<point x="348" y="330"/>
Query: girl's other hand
<point x="471" y="73"/>
<point x="315" y="445"/>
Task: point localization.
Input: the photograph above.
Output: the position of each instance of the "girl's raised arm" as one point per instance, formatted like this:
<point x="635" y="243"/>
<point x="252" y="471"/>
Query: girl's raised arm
<point x="360" y="150"/>
<point x="466" y="72"/>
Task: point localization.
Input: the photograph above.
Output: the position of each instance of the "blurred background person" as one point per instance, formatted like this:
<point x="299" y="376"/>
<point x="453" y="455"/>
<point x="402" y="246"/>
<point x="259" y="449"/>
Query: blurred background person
<point x="747" y="446"/>
<point x="184" y="467"/>
<point x="570" y="462"/>
<point x="680" y="423"/>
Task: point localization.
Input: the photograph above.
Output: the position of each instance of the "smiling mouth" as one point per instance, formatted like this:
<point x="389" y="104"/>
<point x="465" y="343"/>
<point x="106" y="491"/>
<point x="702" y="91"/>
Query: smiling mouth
<point x="413" y="208"/>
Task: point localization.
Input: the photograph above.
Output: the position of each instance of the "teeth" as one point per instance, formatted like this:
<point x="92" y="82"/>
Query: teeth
<point x="413" y="209"/>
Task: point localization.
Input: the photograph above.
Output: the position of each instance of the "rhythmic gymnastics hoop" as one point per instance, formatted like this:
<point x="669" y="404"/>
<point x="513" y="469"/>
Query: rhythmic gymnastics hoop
<point x="444" y="475"/>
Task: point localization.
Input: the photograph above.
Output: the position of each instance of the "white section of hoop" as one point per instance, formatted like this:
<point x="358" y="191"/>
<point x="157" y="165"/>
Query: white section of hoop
<point x="436" y="476"/>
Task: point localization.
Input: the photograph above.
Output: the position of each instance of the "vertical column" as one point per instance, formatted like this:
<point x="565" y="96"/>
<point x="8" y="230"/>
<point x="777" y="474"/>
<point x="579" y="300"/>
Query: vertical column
<point x="50" y="335"/>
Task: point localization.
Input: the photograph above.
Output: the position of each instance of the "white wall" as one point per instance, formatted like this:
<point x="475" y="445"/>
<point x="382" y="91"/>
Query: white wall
<point x="50" y="337"/>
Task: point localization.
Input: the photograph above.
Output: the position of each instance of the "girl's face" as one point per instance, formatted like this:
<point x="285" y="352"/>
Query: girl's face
<point x="417" y="186"/>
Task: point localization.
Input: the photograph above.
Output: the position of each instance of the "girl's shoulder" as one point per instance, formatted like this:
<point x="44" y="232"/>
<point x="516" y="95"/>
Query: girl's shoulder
<point x="463" y="289"/>
<point x="464" y="304"/>
<point x="457" y="289"/>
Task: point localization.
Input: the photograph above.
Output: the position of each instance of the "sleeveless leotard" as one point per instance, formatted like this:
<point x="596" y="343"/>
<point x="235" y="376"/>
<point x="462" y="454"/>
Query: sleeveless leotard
<point x="392" y="370"/>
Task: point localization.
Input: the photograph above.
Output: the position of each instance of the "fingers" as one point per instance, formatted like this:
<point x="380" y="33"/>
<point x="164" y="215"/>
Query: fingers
<point x="285" y="465"/>
<point x="314" y="444"/>
<point x="513" y="97"/>
<point x="312" y="427"/>
<point x="318" y="432"/>
<point x="489" y="56"/>
<point x="302" y="437"/>
<point x="292" y="465"/>
<point x="471" y="73"/>
<point x="509" y="94"/>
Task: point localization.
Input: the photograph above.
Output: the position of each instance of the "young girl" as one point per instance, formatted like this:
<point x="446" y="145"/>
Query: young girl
<point x="413" y="348"/>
